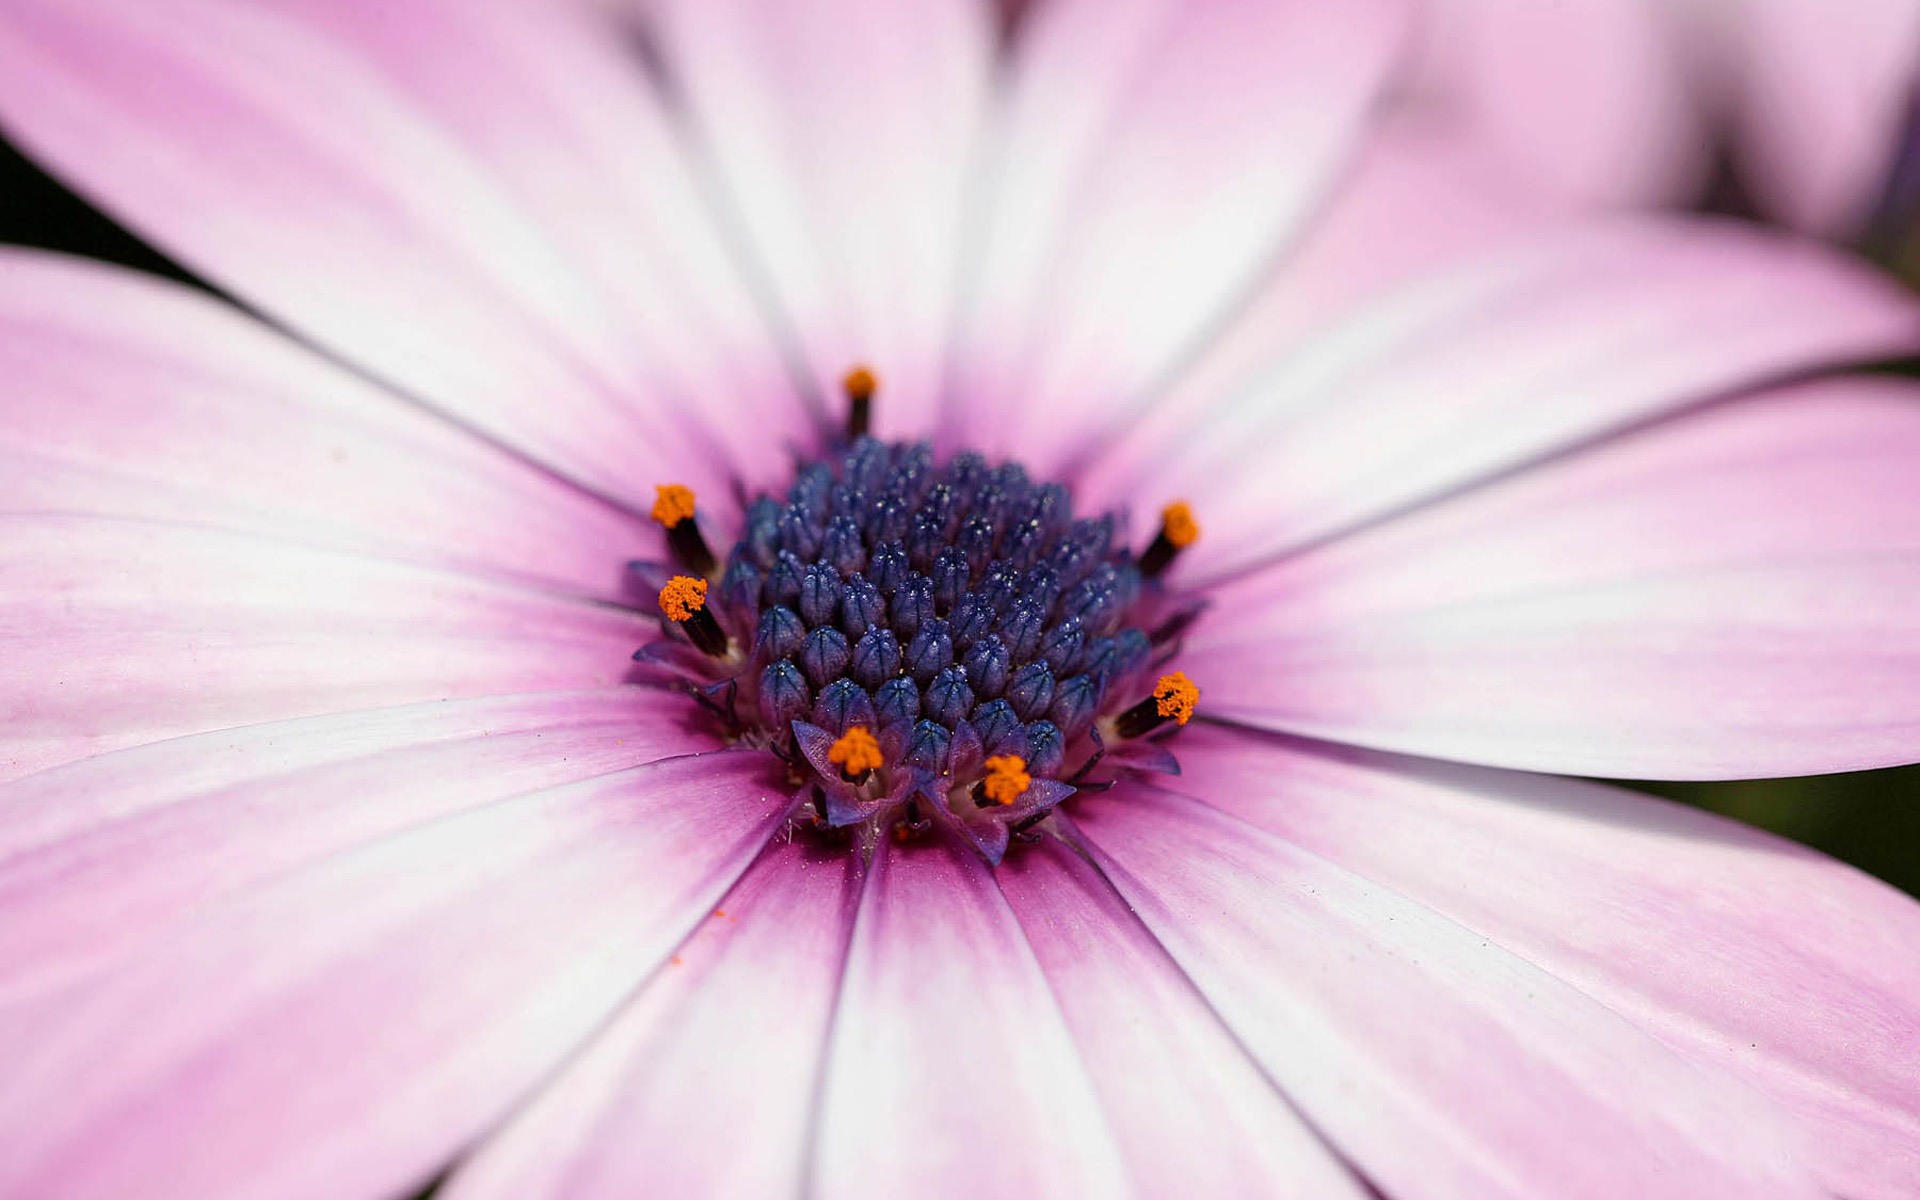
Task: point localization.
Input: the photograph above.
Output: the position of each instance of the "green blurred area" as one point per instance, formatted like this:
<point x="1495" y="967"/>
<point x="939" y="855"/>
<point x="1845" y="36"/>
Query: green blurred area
<point x="1868" y="818"/>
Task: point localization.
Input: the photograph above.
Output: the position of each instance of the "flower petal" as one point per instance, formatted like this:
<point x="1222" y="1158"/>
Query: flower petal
<point x="842" y="132"/>
<point x="705" y="1085"/>
<point x="343" y="1032"/>
<point x="98" y="855"/>
<point x="1410" y="207"/>
<point x="132" y="397"/>
<point x="122" y="632"/>
<point x="1593" y="104"/>
<point x="1191" y="1113"/>
<point x="1511" y="358"/>
<point x="1727" y="594"/>
<point x="1751" y="955"/>
<point x="1824" y="95"/>
<point x="1439" y="1064"/>
<point x="482" y="205"/>
<point x="1152" y="158"/>
<point x="950" y="1072"/>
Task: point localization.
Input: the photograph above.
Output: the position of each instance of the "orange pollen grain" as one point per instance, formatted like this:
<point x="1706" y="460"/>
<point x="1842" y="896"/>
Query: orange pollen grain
<point x="1007" y="779"/>
<point x="856" y="753"/>
<point x="672" y="504"/>
<point x="682" y="597"/>
<point x="860" y="384"/>
<point x="1175" y="695"/>
<point x="1178" y="526"/>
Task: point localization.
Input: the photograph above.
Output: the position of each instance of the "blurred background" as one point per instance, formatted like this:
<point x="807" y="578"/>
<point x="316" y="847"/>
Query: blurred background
<point x="1795" y="113"/>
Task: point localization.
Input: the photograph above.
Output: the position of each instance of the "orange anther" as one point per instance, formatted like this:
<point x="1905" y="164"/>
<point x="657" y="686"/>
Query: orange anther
<point x="1007" y="779"/>
<point x="1178" y="526"/>
<point x="672" y="504"/>
<point x="682" y="597"/>
<point x="1175" y="696"/>
<point x="860" y="384"/>
<point x="856" y="753"/>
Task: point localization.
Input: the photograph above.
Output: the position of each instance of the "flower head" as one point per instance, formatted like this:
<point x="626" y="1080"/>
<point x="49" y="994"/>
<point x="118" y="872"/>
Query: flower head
<point x="951" y="834"/>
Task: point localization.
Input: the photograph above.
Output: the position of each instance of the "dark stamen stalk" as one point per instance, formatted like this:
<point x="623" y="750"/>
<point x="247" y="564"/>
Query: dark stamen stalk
<point x="860" y="386"/>
<point x="705" y="632"/>
<point x="1140" y="720"/>
<point x="690" y="548"/>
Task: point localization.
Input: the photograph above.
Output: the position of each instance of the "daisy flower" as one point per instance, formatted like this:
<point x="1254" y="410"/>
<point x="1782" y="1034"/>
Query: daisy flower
<point x="853" y="598"/>
<point x="1627" y="101"/>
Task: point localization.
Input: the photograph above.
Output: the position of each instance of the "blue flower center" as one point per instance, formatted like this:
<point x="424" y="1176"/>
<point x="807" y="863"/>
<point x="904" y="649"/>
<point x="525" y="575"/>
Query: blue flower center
<point x="927" y="641"/>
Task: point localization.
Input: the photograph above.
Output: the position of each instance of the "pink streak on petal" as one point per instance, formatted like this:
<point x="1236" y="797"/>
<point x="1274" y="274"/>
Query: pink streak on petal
<point x="1441" y="1065"/>
<point x="1726" y="595"/>
<point x="346" y="1030"/>
<point x="122" y="632"/>
<point x="842" y="133"/>
<point x="705" y="1085"/>
<point x="1473" y="371"/>
<point x="1749" y="954"/>
<point x="1153" y="157"/>
<point x="131" y="397"/>
<point x="1825" y="90"/>
<point x="1191" y="1113"/>
<point x="99" y="856"/>
<point x="950" y="1072"/>
<point x="477" y="204"/>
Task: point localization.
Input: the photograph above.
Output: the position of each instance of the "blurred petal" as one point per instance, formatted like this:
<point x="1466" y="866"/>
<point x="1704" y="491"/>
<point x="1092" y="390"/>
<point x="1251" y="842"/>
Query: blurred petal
<point x="341" y="1033"/>
<point x="1727" y="594"/>
<point x="132" y="397"/>
<point x="1152" y="159"/>
<point x="98" y="855"/>
<point x="121" y="632"/>
<point x="1511" y="358"/>
<point x="1749" y="954"/>
<point x="1594" y="103"/>
<point x="481" y="204"/>
<point x="951" y="1073"/>
<point x="705" y="1085"/>
<point x="1825" y="93"/>
<point x="1439" y="1064"/>
<point x="1191" y="1113"/>
<point x="842" y="132"/>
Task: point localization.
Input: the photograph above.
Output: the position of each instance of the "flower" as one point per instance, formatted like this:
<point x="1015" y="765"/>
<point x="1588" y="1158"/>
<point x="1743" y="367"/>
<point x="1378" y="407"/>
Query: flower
<point x="1625" y="101"/>
<point x="343" y="843"/>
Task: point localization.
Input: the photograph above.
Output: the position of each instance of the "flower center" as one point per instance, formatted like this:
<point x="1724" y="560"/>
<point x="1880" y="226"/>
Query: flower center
<point x="928" y="642"/>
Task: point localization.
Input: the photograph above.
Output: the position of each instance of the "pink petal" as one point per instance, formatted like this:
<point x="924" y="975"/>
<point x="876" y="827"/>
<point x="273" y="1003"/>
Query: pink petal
<point x="99" y="855"/>
<point x="1592" y="103"/>
<point x="950" y="1072"/>
<point x="1410" y="207"/>
<point x="1727" y="594"/>
<point x="1438" y="1063"/>
<point x="1152" y="158"/>
<point x="705" y="1084"/>
<point x="131" y="397"/>
<point x="1191" y="1113"/>
<point x="483" y="205"/>
<point x="1752" y="956"/>
<point x="1509" y="359"/>
<point x="343" y="1032"/>
<point x="1824" y="94"/>
<point x="123" y="632"/>
<point x="842" y="133"/>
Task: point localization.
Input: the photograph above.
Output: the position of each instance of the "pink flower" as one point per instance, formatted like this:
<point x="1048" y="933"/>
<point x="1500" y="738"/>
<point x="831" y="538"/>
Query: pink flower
<point x="1627" y="101"/>
<point x="341" y="843"/>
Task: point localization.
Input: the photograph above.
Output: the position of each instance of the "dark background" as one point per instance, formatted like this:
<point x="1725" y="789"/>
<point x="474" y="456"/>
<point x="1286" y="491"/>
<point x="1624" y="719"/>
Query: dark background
<point x="1869" y="818"/>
